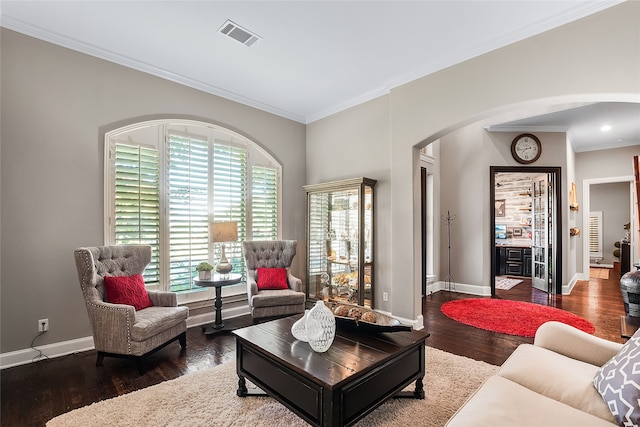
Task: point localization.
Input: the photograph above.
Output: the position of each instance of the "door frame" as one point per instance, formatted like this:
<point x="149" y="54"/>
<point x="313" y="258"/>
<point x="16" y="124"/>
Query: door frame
<point x="586" y="196"/>
<point x="557" y="270"/>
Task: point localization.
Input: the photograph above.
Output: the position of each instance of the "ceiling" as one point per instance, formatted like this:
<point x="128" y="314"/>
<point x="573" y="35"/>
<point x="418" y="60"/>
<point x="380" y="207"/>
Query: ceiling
<point x="313" y="58"/>
<point x="584" y="125"/>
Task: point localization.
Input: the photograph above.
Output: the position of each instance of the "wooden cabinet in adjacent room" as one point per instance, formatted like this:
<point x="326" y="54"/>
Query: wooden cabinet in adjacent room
<point x="513" y="261"/>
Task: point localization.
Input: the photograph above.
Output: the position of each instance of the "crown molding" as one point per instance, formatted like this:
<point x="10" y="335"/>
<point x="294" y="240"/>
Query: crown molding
<point x="107" y="55"/>
<point x="576" y="13"/>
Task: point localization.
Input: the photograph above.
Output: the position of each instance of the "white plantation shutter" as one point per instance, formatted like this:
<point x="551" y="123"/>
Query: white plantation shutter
<point x="595" y="234"/>
<point x="136" y="202"/>
<point x="230" y="198"/>
<point x="264" y="203"/>
<point x="188" y="184"/>
<point x="167" y="180"/>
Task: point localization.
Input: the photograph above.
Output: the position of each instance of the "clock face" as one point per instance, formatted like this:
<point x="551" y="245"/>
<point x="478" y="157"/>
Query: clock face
<point x="526" y="148"/>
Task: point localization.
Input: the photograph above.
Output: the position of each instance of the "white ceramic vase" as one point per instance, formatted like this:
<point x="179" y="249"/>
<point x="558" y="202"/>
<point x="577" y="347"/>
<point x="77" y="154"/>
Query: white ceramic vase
<point x="299" y="328"/>
<point x="321" y="327"/>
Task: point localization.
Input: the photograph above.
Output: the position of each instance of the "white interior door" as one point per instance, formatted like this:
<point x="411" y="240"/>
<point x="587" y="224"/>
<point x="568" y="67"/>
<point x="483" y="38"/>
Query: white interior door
<point x="541" y="227"/>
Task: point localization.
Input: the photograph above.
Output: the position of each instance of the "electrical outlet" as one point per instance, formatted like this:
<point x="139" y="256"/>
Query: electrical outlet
<point x="385" y="296"/>
<point x="43" y="325"/>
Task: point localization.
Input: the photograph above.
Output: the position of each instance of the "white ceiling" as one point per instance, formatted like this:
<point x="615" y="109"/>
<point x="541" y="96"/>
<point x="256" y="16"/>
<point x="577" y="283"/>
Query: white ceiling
<point x="315" y="58"/>
<point x="583" y="125"/>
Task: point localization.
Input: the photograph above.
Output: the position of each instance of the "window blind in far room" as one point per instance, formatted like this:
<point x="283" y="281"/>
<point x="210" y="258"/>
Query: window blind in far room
<point x="136" y="213"/>
<point x="188" y="188"/>
<point x="595" y="234"/>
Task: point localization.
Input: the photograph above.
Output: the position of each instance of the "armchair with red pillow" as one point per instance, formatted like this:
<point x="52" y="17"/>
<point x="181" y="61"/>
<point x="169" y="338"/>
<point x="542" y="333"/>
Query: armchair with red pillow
<point x="271" y="288"/>
<point x="127" y="320"/>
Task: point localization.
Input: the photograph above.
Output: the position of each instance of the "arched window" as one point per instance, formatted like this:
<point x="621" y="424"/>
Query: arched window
<point x="166" y="181"/>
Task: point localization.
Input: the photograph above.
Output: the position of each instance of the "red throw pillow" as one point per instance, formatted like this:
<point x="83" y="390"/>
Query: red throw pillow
<point x="128" y="290"/>
<point x="272" y="278"/>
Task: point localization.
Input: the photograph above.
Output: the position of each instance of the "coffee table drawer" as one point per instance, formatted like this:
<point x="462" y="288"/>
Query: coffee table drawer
<point x="288" y="387"/>
<point x="368" y="392"/>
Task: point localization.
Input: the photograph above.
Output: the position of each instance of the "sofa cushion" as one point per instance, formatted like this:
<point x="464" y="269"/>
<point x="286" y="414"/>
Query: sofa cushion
<point x="618" y="381"/>
<point x="503" y="403"/>
<point x="557" y="377"/>
<point x="129" y="290"/>
<point x="272" y="278"/>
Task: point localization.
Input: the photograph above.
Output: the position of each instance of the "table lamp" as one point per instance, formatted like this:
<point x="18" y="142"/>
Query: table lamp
<point x="223" y="232"/>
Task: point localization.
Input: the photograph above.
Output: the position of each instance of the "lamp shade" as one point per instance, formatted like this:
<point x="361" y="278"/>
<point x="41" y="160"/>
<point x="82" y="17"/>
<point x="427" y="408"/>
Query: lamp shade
<point x="224" y="231"/>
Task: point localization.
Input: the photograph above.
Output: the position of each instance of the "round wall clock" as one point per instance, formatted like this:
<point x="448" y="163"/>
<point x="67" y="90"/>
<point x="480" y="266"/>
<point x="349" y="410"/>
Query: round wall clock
<point x="526" y="148"/>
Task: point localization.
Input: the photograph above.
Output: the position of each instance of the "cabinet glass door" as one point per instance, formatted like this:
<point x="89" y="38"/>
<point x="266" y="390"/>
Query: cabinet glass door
<point x="340" y="242"/>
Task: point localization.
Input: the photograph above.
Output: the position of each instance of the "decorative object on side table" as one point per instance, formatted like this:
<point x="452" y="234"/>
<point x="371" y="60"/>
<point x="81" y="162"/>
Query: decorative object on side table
<point x="223" y="232"/>
<point x="204" y="270"/>
<point x="320" y="327"/>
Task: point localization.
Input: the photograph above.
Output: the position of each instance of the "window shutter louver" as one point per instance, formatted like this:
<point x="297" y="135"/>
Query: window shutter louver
<point x="137" y="202"/>
<point x="188" y="208"/>
<point x="595" y="234"/>
<point x="264" y="203"/>
<point x="229" y="198"/>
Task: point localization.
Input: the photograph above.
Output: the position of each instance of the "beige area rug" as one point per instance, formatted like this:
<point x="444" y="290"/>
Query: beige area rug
<point x="208" y="398"/>
<point x="506" y="283"/>
<point x="599" y="273"/>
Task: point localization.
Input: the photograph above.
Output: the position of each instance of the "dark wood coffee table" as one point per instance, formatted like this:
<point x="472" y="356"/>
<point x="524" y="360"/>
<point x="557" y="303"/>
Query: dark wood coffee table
<point x="336" y="388"/>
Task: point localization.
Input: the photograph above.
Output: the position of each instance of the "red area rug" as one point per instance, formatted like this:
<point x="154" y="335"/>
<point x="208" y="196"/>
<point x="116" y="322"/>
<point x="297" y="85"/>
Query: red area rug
<point x="510" y="317"/>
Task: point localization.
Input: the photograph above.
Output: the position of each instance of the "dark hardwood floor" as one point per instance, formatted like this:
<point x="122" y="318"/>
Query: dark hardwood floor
<point x="32" y="394"/>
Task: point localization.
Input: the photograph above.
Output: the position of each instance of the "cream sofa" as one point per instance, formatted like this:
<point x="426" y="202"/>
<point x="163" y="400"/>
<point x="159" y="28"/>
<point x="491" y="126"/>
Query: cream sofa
<point x="549" y="383"/>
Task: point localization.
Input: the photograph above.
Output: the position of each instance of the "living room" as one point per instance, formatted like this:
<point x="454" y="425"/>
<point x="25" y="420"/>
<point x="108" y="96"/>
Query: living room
<point x="57" y="104"/>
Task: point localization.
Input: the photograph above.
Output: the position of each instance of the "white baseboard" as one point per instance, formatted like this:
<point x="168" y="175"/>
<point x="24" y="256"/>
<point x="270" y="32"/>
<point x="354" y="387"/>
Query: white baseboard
<point x="63" y="348"/>
<point x="210" y="317"/>
<point x="459" y="287"/>
<point x="416" y="324"/>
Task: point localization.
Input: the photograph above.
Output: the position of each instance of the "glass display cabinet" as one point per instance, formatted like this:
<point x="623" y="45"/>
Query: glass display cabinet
<point x="340" y="241"/>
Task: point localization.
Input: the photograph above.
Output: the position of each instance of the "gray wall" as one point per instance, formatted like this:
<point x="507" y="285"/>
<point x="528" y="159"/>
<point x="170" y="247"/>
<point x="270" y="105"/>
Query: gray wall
<point x="468" y="155"/>
<point x="57" y="103"/>
<point x="601" y="166"/>
<point x="564" y="65"/>
<point x="56" y="106"/>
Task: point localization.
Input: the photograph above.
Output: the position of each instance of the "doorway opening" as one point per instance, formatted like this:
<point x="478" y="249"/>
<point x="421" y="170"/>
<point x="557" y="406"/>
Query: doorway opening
<point x="613" y="198"/>
<point x="527" y="226"/>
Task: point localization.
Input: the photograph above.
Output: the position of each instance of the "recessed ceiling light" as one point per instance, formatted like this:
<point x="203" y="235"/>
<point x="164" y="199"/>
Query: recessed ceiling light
<point x="605" y="128"/>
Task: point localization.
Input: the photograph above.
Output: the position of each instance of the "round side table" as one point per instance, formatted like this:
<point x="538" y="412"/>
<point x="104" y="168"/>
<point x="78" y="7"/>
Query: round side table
<point x="217" y="281"/>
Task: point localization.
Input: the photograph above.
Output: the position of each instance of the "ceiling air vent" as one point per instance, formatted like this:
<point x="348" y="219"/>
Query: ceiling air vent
<point x="239" y="34"/>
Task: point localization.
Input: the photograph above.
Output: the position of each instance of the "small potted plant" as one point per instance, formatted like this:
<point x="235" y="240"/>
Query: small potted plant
<point x="204" y="270"/>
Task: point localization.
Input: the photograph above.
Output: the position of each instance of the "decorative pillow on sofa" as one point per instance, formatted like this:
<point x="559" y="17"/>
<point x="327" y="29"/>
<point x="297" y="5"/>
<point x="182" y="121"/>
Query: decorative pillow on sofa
<point x="618" y="381"/>
<point x="272" y="278"/>
<point x="128" y="290"/>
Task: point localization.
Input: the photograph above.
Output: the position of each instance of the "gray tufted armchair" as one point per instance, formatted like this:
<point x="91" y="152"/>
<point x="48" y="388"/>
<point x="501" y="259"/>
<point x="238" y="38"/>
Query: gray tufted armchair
<point x="272" y="303"/>
<point x="118" y="329"/>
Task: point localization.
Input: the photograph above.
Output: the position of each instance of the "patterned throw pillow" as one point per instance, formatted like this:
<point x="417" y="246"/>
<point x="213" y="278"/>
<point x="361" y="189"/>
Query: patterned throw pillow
<point x="128" y="290"/>
<point x="272" y="278"/>
<point x="618" y="381"/>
